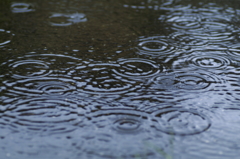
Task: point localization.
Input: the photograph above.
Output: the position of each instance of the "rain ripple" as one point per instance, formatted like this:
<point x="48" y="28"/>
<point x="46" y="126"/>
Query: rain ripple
<point x="115" y="128"/>
<point x="22" y="7"/>
<point x="41" y="86"/>
<point x="29" y="68"/>
<point x="42" y="115"/>
<point x="102" y="79"/>
<point x="120" y="120"/>
<point x="64" y="19"/>
<point x="135" y="68"/>
<point x="178" y="121"/>
<point x="186" y="81"/>
<point x="234" y="52"/>
<point x="39" y="65"/>
<point x="160" y="46"/>
<point x="188" y="39"/>
<point x="210" y="60"/>
<point x="5" y="37"/>
<point x="183" y="21"/>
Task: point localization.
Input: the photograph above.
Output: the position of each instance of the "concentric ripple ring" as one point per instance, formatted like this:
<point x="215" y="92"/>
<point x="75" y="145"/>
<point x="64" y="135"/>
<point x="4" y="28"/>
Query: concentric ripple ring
<point x="178" y="121"/>
<point x="137" y="68"/>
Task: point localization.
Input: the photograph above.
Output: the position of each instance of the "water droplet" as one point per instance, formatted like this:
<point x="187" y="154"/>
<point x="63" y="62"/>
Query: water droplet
<point x="178" y="121"/>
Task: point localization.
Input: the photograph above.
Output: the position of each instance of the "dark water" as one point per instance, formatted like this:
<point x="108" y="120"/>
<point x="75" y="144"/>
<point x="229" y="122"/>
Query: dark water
<point x="119" y="79"/>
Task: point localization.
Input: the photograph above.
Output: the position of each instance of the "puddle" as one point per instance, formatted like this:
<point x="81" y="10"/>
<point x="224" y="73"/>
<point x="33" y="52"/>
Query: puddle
<point x="119" y="79"/>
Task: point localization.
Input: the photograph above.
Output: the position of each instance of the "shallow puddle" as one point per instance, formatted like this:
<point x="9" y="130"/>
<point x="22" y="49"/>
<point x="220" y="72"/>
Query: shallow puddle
<point x="119" y="79"/>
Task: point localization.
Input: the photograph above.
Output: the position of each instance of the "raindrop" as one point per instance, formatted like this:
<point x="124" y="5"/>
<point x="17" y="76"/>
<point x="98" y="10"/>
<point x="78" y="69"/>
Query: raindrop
<point x="178" y="121"/>
<point x="5" y="37"/>
<point x="22" y="7"/>
<point x="61" y="19"/>
<point x="135" y="68"/>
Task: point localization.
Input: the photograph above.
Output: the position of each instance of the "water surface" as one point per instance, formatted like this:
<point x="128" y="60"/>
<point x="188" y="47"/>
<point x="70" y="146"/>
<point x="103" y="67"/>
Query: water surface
<point x="118" y="79"/>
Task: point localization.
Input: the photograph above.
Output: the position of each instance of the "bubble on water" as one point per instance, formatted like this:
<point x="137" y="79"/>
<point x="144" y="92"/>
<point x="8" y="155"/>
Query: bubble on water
<point x="42" y="115"/>
<point x="64" y="19"/>
<point x="5" y="37"/>
<point x="102" y="79"/>
<point x="137" y="68"/>
<point x="22" y="7"/>
<point x="178" y="121"/>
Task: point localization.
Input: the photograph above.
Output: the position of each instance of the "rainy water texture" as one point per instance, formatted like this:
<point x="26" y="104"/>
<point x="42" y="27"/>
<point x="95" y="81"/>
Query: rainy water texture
<point x="119" y="79"/>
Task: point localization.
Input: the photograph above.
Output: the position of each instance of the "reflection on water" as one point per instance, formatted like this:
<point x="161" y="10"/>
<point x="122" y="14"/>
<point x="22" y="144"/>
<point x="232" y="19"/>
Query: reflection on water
<point x="119" y="79"/>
